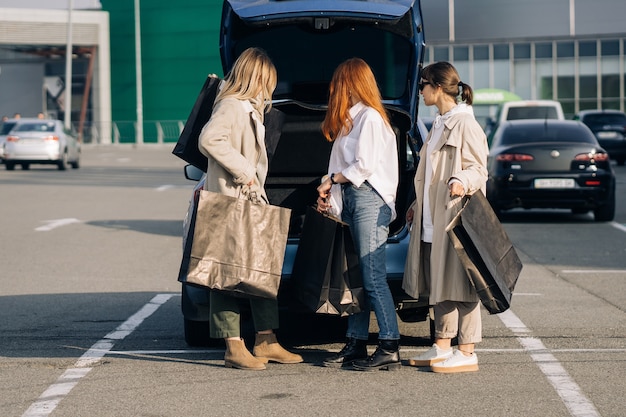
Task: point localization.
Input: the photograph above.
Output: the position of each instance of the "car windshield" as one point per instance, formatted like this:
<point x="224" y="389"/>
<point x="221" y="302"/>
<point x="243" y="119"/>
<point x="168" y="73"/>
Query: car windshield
<point x="305" y="60"/>
<point x="6" y="128"/>
<point x="534" y="112"/>
<point x="599" y="120"/>
<point x="540" y="133"/>
<point x="35" y="127"/>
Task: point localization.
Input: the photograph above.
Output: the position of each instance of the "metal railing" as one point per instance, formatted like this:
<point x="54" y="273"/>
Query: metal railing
<point x="123" y="131"/>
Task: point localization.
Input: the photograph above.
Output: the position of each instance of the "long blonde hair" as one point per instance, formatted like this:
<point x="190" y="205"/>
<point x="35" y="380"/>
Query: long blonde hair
<point x="352" y="76"/>
<point x="253" y="77"/>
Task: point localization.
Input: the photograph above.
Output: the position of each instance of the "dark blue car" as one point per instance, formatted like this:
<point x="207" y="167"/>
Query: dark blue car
<point x="307" y="40"/>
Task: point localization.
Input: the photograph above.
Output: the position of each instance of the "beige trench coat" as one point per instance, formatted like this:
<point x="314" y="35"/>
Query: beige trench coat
<point x="460" y="153"/>
<point x="233" y="140"/>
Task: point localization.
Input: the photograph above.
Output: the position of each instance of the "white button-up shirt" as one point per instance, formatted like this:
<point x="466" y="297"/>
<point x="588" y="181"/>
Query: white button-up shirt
<point x="367" y="153"/>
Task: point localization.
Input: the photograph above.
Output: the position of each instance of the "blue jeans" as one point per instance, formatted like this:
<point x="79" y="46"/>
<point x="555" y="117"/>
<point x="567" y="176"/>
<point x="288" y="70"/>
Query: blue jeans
<point x="369" y="217"/>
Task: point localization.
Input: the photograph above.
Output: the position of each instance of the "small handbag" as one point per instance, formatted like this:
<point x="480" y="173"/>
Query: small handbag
<point x="487" y="254"/>
<point x="326" y="276"/>
<point x="238" y="245"/>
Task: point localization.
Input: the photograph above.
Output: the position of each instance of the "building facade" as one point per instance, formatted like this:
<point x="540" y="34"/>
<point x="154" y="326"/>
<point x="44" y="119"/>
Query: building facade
<point x="572" y="51"/>
<point x="566" y="50"/>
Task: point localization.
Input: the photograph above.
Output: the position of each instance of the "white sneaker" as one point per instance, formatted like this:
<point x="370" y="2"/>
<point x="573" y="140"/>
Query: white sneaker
<point x="458" y="362"/>
<point x="433" y="355"/>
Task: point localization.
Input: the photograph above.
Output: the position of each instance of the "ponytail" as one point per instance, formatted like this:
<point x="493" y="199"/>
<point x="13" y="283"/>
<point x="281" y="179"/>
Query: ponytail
<point x="466" y="93"/>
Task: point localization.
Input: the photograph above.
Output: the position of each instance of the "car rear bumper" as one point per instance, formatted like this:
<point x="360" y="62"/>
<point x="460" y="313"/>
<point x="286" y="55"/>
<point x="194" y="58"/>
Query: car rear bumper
<point x="195" y="300"/>
<point x="505" y="194"/>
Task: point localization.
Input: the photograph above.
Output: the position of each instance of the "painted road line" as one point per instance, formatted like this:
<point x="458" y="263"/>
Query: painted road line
<point x="619" y="226"/>
<point x="593" y="271"/>
<point x="570" y="393"/>
<point x="404" y="349"/>
<point x="51" y="397"/>
<point x="53" y="224"/>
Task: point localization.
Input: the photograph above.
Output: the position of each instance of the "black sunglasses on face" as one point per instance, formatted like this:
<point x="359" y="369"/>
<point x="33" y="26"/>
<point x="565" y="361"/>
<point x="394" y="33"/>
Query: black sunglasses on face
<point x="423" y="84"/>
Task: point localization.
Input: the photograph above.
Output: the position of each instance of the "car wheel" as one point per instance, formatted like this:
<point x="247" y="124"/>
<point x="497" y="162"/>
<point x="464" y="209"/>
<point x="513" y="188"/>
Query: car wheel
<point x="62" y="164"/>
<point x="621" y="161"/>
<point x="197" y="334"/>
<point x="10" y="166"/>
<point x="75" y="164"/>
<point x="606" y="212"/>
<point x="25" y="167"/>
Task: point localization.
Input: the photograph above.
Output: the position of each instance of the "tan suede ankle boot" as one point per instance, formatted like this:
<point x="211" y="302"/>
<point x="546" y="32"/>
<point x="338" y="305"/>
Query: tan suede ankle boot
<point x="266" y="346"/>
<point x="238" y="356"/>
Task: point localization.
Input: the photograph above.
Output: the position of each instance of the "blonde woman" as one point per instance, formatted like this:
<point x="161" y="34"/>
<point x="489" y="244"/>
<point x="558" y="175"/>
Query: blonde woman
<point x="361" y="188"/>
<point x="233" y="140"/>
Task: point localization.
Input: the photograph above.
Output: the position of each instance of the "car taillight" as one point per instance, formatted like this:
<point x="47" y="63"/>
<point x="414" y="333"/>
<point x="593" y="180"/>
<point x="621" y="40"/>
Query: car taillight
<point x="514" y="157"/>
<point x="592" y="157"/>
<point x="51" y="137"/>
<point x="593" y="183"/>
<point x="12" y="138"/>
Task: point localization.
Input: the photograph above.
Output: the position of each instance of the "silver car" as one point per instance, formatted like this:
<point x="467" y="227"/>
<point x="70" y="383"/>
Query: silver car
<point x="5" y="128"/>
<point x="41" y="141"/>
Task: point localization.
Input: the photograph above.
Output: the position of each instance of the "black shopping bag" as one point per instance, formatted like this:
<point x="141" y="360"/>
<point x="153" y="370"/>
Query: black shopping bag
<point x="326" y="277"/>
<point x="187" y="146"/>
<point x="486" y="253"/>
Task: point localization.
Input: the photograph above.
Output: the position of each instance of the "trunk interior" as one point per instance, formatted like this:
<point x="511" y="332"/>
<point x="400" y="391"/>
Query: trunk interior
<point x="299" y="156"/>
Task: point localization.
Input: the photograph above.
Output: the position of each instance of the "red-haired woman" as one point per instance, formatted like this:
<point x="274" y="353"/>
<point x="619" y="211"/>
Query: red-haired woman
<point x="361" y="188"/>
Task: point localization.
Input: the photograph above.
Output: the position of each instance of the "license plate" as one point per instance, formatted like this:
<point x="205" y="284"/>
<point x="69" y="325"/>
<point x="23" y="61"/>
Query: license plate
<point x="608" y="135"/>
<point x="555" y="183"/>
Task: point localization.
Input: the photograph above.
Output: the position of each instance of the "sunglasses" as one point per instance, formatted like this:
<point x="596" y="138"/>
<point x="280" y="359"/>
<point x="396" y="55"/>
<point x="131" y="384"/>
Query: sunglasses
<point x="423" y="84"/>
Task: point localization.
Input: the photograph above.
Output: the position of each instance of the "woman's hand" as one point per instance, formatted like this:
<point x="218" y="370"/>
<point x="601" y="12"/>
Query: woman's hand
<point x="456" y="189"/>
<point x="323" y="201"/>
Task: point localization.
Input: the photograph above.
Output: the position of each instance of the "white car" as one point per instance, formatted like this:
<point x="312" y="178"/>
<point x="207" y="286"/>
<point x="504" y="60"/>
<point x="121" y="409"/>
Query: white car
<point x="522" y="110"/>
<point x="5" y="128"/>
<point x="41" y="141"/>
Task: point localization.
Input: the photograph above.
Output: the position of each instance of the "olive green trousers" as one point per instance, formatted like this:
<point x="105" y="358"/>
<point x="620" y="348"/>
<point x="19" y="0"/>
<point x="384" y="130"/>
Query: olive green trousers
<point x="225" y="314"/>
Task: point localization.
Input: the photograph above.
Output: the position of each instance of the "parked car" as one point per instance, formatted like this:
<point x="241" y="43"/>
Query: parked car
<point x="550" y="164"/>
<point x="388" y="35"/>
<point x="5" y="128"/>
<point x="41" y="141"/>
<point x="609" y="126"/>
<point x="524" y="109"/>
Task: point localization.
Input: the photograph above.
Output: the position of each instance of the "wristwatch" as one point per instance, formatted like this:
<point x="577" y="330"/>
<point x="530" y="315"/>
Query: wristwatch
<point x="332" y="179"/>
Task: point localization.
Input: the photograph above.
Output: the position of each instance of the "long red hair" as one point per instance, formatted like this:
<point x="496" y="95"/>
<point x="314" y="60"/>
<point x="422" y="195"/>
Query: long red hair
<point x="352" y="77"/>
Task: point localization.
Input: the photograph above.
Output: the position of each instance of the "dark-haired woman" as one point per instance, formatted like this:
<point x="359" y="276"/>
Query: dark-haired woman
<point x="452" y="164"/>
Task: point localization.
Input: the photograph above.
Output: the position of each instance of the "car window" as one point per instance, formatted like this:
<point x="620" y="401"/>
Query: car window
<point x="534" y="112"/>
<point x="539" y="133"/>
<point x="605" y="119"/>
<point x="6" y="128"/>
<point x="318" y="55"/>
<point x="35" y="127"/>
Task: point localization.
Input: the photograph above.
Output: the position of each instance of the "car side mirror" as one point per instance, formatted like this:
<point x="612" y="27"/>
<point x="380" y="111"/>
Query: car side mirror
<point x="193" y="173"/>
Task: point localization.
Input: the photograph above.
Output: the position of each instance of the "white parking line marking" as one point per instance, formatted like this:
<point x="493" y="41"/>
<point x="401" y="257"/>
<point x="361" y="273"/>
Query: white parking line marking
<point x="53" y="224"/>
<point x="165" y="187"/>
<point x="404" y="349"/>
<point x="51" y="397"/>
<point x="593" y="271"/>
<point x="619" y="226"/>
<point x="570" y="393"/>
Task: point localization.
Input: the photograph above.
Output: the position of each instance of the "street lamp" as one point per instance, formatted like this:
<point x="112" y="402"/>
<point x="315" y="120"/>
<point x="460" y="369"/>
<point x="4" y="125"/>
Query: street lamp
<point x="68" y="69"/>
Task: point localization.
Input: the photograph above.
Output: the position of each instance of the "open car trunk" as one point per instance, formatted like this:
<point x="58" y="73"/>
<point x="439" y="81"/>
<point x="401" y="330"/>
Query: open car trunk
<point x="299" y="159"/>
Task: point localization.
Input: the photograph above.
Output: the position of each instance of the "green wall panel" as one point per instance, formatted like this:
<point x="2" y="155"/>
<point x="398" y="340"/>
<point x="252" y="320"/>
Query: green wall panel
<point x="179" y="47"/>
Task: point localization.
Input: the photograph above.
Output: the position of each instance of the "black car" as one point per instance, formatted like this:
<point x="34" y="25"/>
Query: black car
<point x="306" y="41"/>
<point x="550" y="164"/>
<point x="609" y="126"/>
